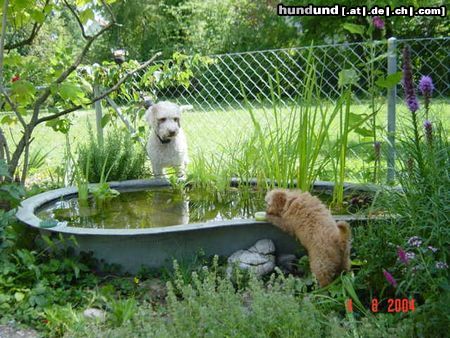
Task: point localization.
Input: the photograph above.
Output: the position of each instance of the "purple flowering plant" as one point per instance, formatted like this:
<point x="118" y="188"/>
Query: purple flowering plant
<point x="426" y="87"/>
<point x="428" y="127"/>
<point x="417" y="267"/>
<point x="390" y="279"/>
<point x="378" y="22"/>
<point x="408" y="82"/>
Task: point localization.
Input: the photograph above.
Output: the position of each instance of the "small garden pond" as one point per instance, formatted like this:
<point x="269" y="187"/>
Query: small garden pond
<point x="156" y="207"/>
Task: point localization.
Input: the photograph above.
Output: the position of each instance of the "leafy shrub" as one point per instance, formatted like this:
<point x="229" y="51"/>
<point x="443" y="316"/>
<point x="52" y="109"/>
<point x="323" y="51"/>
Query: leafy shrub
<point x="211" y="304"/>
<point x="124" y="158"/>
<point x="32" y="280"/>
<point x="413" y="248"/>
<point x="10" y="196"/>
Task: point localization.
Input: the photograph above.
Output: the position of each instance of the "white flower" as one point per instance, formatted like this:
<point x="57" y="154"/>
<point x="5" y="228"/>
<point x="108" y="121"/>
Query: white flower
<point x="441" y="265"/>
<point x="410" y="255"/>
<point x="415" y="241"/>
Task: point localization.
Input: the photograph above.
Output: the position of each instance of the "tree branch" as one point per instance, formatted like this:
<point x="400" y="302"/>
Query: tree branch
<point x="2" y="54"/>
<point x="4" y="150"/>
<point x="68" y="71"/>
<point x="108" y="8"/>
<point x="2" y="41"/>
<point x="103" y="95"/>
<point x="74" y="13"/>
<point x="29" y="40"/>
<point x="124" y="119"/>
<point x="13" y="107"/>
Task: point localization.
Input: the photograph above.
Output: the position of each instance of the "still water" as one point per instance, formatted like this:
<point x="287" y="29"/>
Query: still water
<point x="157" y="207"/>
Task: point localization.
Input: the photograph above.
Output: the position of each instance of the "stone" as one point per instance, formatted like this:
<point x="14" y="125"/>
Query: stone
<point x="264" y="247"/>
<point x="250" y="258"/>
<point x="10" y="331"/>
<point x="94" y="313"/>
<point x="259" y="258"/>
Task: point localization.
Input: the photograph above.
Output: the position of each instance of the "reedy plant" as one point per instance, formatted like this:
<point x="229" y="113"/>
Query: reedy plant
<point x="102" y="191"/>
<point x="81" y="179"/>
<point x="291" y="144"/>
<point x="348" y="122"/>
<point x="342" y="147"/>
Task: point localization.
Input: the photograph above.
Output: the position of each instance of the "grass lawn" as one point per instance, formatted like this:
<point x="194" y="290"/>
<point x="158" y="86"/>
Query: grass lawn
<point x="208" y="131"/>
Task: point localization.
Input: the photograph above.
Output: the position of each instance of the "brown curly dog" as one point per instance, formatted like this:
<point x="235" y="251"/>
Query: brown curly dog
<point x="304" y="216"/>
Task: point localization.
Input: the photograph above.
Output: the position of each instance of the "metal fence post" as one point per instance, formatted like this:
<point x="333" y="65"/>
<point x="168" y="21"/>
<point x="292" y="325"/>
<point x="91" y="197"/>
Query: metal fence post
<point x="98" y="115"/>
<point x="391" y="98"/>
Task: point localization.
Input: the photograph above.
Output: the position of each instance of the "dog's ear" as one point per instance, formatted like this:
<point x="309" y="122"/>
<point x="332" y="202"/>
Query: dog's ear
<point x="149" y="115"/>
<point x="186" y="107"/>
<point x="276" y="200"/>
<point x="147" y="103"/>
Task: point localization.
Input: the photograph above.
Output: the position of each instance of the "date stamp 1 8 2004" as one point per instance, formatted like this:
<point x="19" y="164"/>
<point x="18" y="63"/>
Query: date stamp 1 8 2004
<point x="392" y="305"/>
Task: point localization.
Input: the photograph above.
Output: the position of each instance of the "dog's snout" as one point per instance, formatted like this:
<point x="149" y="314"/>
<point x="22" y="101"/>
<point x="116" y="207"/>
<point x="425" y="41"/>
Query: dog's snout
<point x="172" y="133"/>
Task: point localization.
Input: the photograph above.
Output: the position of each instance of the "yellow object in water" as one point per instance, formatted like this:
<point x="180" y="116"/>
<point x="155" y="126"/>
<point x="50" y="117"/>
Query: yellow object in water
<point x="260" y="216"/>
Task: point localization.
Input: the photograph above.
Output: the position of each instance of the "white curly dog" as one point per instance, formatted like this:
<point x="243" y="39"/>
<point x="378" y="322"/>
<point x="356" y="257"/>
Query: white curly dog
<point x="167" y="146"/>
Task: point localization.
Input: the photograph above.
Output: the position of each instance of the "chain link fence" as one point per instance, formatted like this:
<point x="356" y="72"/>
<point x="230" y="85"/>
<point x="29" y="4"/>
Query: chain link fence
<point x="220" y="86"/>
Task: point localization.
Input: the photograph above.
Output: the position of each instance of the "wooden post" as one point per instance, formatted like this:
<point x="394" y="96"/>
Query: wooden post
<point x="98" y="115"/>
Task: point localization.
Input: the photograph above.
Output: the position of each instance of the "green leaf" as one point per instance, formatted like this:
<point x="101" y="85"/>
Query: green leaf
<point x="8" y="120"/>
<point x="347" y="77"/>
<point x="70" y="91"/>
<point x="48" y="223"/>
<point x="364" y="132"/>
<point x="366" y="140"/>
<point x="23" y="91"/>
<point x="61" y="125"/>
<point x="12" y="59"/>
<point x="13" y="191"/>
<point x="389" y="81"/>
<point x="359" y="262"/>
<point x="19" y="296"/>
<point x="354" y="29"/>
<point x="81" y="3"/>
<point x="86" y="15"/>
<point x="3" y="168"/>
<point x="105" y="120"/>
<point x="23" y="4"/>
<point x="37" y="16"/>
<point x="355" y="120"/>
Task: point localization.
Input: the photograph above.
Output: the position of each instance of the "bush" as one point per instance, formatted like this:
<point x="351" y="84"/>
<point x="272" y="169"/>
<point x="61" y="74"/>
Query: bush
<point x="413" y="248"/>
<point x="125" y="159"/>
<point x="210" y="304"/>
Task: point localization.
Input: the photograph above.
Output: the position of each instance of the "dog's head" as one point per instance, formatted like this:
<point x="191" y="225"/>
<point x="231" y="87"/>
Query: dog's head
<point x="276" y="200"/>
<point x="164" y="118"/>
<point x="279" y="200"/>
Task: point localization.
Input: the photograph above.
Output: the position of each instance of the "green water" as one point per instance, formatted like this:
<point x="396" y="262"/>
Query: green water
<point x="155" y="208"/>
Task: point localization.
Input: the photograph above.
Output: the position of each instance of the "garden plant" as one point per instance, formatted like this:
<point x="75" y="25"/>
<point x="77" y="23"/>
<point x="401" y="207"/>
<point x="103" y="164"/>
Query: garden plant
<point x="53" y="54"/>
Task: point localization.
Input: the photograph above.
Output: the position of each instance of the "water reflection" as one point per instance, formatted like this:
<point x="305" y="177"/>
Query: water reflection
<point x="155" y="208"/>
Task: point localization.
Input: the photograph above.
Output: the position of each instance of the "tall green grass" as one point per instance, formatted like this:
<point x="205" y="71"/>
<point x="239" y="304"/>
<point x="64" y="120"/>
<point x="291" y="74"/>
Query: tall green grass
<point x="290" y="144"/>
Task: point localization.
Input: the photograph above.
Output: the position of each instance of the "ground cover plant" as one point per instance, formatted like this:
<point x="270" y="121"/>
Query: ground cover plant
<point x="45" y="285"/>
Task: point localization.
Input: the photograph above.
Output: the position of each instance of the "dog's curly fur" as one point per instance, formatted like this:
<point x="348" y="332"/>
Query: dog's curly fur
<point x="304" y="216"/>
<point x="167" y="145"/>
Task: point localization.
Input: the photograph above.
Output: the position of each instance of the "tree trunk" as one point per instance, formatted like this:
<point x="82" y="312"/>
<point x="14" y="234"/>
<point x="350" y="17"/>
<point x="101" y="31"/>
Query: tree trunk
<point x="3" y="146"/>
<point x="14" y="163"/>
